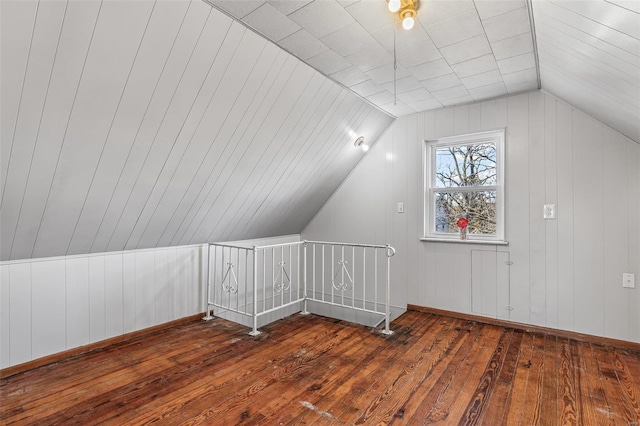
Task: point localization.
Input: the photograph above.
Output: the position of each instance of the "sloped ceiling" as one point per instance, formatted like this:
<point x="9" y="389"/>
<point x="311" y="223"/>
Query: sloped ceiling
<point x="586" y="52"/>
<point x="134" y="124"/>
<point x="590" y="56"/>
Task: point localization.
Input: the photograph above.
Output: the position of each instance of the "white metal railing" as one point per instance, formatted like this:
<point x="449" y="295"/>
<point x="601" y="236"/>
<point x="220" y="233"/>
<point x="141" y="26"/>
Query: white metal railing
<point x="255" y="281"/>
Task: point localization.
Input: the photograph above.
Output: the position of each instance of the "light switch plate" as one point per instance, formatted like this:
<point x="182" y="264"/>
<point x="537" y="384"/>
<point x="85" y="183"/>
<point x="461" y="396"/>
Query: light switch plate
<point x="400" y="207"/>
<point x="549" y="211"/>
<point x="628" y="280"/>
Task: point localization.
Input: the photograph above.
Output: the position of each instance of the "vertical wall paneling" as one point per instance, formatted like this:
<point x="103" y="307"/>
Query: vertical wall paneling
<point x="97" y="312"/>
<point x="566" y="281"/>
<point x="588" y="223"/>
<point x="537" y="182"/>
<point x="129" y="291"/>
<point x="517" y="177"/>
<point x="503" y="289"/>
<point x="615" y="232"/>
<point x="563" y="273"/>
<point x="551" y="225"/>
<point x="633" y="170"/>
<point x="20" y="313"/>
<point x="162" y="286"/>
<point x="77" y="304"/>
<point x="145" y="289"/>
<point x="5" y="326"/>
<point x="48" y="308"/>
<point x="114" y="294"/>
<point x="52" y="304"/>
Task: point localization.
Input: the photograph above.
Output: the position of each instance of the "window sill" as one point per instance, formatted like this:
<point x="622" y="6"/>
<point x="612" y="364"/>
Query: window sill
<point x="456" y="240"/>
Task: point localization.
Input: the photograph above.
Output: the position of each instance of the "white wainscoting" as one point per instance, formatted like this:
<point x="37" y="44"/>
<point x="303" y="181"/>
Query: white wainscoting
<point x="566" y="273"/>
<point x="49" y="305"/>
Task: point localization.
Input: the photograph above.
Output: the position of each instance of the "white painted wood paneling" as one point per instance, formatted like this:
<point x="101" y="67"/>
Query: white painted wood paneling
<point x="114" y="295"/>
<point x="48" y="308"/>
<point x="20" y="287"/>
<point x="53" y="304"/>
<point x="97" y="311"/>
<point x="566" y="272"/>
<point x="5" y="327"/>
<point x="147" y="124"/>
<point x="77" y="303"/>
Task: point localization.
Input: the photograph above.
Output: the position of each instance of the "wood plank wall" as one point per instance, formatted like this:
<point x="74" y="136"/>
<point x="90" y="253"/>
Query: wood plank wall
<point x="50" y="305"/>
<point x="566" y="273"/>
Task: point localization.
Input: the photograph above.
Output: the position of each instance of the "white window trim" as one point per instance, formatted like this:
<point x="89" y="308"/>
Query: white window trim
<point x="429" y="146"/>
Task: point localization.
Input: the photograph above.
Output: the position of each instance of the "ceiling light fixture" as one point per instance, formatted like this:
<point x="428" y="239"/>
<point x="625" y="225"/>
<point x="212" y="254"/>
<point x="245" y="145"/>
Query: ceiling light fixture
<point x="406" y="9"/>
<point x="360" y="144"/>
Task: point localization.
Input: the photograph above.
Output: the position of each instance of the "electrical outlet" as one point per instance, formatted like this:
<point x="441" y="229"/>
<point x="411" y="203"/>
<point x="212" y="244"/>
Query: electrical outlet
<point x="628" y="280"/>
<point x="549" y="211"/>
<point x="400" y="207"/>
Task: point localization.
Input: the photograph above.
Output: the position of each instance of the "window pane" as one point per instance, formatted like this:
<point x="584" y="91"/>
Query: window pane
<point x="478" y="207"/>
<point x="466" y="165"/>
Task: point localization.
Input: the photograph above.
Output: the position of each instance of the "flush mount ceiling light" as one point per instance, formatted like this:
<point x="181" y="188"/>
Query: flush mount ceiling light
<point x="360" y="144"/>
<point x="406" y="10"/>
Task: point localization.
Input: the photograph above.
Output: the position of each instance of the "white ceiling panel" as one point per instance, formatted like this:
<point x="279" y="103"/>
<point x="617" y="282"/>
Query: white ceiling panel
<point x="303" y="45"/>
<point x="512" y="46"/>
<point x="287" y="6"/>
<point x="144" y="123"/>
<point x="337" y="37"/>
<point x="456" y="29"/>
<point x="470" y="48"/>
<point x="490" y="8"/>
<point x="322" y="18"/>
<point x="348" y="40"/>
<point x="271" y="22"/>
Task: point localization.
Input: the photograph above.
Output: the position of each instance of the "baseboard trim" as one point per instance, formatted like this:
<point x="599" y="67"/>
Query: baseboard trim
<point x="81" y="350"/>
<point x="529" y="328"/>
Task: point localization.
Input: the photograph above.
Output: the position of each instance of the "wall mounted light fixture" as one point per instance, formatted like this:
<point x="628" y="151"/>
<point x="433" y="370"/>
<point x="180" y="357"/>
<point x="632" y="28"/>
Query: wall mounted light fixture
<point x="406" y="9"/>
<point x="360" y="144"/>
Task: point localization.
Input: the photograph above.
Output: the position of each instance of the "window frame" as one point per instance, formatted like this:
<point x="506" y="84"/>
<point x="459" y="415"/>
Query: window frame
<point x="430" y="146"/>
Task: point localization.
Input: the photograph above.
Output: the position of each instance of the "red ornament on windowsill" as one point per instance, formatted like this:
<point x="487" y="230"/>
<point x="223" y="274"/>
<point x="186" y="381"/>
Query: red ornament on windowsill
<point x="462" y="223"/>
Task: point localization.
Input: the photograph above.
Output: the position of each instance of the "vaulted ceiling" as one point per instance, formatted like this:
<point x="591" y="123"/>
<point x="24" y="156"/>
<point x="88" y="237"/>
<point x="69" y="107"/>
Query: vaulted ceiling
<point x="586" y="52"/>
<point x="143" y="123"/>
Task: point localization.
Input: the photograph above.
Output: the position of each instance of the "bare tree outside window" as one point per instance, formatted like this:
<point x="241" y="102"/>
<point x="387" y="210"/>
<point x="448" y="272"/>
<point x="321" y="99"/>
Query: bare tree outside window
<point x="461" y="174"/>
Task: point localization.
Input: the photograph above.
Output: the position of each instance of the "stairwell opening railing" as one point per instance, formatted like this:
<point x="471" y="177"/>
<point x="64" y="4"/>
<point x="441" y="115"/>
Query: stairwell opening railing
<point x="253" y="282"/>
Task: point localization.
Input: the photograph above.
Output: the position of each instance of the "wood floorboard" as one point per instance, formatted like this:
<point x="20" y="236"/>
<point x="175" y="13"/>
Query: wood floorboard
<point x="308" y="369"/>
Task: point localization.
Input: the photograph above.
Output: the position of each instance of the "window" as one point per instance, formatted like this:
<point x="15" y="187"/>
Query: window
<point x="464" y="177"/>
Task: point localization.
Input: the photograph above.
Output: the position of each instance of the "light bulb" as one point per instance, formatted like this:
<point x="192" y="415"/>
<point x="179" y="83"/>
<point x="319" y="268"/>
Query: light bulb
<point x="394" y="5"/>
<point x="365" y="148"/>
<point x="407" y="23"/>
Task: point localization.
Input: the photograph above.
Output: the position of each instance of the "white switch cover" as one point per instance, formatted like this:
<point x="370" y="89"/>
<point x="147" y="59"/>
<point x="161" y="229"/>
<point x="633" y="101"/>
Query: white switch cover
<point x="549" y="211"/>
<point x="400" y="207"/>
<point x="629" y="280"/>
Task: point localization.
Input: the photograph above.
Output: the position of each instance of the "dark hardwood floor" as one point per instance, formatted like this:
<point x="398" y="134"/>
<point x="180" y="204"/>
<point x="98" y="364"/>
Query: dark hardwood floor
<point x="314" y="370"/>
